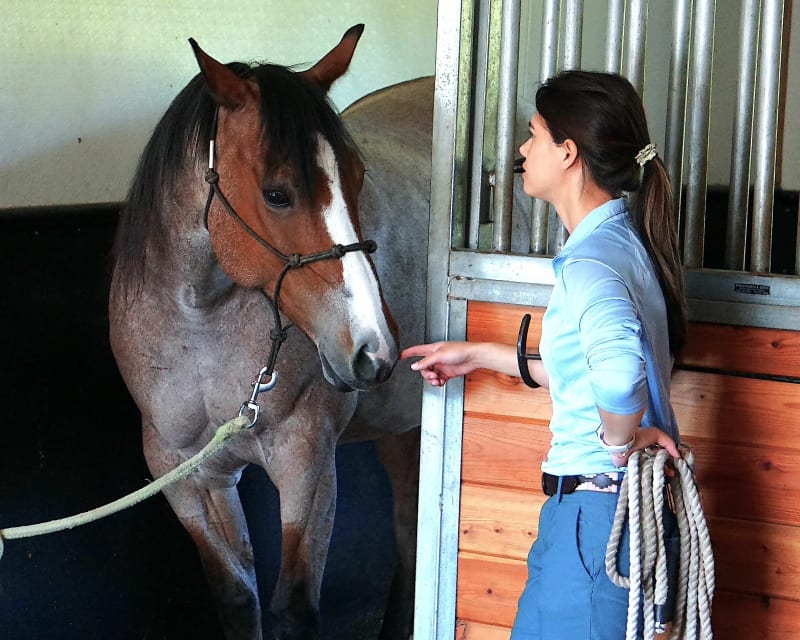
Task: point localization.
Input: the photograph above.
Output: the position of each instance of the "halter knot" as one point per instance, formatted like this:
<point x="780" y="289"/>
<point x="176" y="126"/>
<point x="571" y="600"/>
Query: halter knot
<point x="277" y="335"/>
<point x="337" y="251"/>
<point x="294" y="260"/>
<point x="212" y="177"/>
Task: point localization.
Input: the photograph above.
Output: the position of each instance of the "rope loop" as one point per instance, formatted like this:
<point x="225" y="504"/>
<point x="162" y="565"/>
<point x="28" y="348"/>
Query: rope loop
<point x="641" y="504"/>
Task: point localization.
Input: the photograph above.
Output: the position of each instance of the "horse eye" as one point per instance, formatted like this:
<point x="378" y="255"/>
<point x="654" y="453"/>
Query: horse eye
<point x="276" y="198"/>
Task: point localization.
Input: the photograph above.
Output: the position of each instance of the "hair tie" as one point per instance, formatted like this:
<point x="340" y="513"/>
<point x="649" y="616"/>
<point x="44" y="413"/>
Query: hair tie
<point x="646" y="154"/>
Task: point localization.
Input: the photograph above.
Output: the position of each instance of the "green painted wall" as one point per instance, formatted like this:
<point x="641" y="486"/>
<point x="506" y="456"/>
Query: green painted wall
<point x="83" y="82"/>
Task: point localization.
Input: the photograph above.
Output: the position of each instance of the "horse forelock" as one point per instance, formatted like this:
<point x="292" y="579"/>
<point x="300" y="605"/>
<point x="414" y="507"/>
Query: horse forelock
<point x="294" y="112"/>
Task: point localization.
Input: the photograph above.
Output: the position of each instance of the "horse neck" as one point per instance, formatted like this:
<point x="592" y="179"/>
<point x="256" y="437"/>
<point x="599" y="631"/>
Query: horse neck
<point x="181" y="263"/>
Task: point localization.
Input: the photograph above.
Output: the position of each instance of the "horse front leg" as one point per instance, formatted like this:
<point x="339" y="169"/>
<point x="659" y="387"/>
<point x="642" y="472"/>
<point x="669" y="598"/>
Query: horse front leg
<point x="210" y="510"/>
<point x="305" y="475"/>
<point x="399" y="454"/>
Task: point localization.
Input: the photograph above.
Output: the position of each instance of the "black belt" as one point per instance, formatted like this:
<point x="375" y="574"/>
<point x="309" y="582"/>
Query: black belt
<point x="609" y="482"/>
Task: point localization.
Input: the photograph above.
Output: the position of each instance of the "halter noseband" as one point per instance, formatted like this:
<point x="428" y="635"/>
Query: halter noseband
<point x="278" y="333"/>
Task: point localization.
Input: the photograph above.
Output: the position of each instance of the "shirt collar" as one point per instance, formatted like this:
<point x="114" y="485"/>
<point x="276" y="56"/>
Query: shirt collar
<point x="585" y="227"/>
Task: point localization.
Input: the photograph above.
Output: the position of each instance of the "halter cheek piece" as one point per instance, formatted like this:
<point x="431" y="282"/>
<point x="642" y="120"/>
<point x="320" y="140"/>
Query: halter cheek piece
<point x="278" y="334"/>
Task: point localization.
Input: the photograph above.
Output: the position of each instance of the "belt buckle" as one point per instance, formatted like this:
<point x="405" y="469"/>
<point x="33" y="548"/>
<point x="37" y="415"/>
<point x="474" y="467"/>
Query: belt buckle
<point x="569" y="484"/>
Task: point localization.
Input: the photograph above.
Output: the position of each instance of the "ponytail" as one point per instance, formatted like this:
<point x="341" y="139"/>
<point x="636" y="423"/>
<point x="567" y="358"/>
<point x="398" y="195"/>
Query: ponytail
<point x="652" y="211"/>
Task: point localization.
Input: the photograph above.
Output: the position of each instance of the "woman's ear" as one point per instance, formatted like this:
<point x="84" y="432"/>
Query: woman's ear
<point x="570" y="150"/>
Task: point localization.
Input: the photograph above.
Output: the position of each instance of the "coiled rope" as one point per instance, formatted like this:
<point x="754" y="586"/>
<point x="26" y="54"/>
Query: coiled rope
<point x="221" y="437"/>
<point x="641" y="501"/>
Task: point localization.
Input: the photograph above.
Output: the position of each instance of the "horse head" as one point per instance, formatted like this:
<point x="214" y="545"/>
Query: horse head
<point x="285" y="220"/>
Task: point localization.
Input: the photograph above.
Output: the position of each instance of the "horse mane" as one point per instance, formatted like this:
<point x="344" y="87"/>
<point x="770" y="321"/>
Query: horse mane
<point x="293" y="111"/>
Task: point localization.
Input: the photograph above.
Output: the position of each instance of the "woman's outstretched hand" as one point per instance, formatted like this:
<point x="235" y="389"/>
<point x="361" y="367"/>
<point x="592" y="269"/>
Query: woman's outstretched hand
<point x="442" y="361"/>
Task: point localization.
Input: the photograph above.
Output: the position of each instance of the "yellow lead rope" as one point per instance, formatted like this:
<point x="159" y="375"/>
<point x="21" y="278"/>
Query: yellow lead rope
<point x="221" y="437"/>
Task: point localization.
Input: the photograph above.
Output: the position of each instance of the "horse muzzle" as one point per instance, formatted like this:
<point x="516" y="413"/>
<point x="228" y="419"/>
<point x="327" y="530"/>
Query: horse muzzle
<point x="362" y="370"/>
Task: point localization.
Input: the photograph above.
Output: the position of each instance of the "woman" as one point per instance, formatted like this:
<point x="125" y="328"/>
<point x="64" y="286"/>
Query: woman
<point x="615" y="320"/>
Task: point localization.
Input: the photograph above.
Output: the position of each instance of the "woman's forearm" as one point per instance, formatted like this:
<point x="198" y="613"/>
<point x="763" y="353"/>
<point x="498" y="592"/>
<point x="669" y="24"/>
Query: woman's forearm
<point x="503" y="359"/>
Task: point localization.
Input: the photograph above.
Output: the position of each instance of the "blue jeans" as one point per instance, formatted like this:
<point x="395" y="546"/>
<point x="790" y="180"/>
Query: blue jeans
<point x="568" y="595"/>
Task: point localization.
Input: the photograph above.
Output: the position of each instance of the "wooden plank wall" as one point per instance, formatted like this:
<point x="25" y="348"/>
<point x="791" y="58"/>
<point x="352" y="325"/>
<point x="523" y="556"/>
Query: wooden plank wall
<point x="745" y="433"/>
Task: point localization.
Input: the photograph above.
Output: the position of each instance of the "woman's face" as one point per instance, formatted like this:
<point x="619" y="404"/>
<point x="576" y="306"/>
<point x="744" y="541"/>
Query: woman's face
<point x="542" y="161"/>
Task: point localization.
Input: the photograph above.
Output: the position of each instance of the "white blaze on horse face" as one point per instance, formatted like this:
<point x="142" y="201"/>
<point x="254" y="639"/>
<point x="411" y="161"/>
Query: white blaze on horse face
<point x="364" y="305"/>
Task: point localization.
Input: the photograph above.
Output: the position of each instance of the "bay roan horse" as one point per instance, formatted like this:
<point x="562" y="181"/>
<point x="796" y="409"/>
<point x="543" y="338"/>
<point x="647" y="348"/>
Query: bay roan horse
<point x="295" y="194"/>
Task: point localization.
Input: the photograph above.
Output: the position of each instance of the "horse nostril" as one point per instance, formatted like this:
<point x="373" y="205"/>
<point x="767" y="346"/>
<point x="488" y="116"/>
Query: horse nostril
<point x="370" y="368"/>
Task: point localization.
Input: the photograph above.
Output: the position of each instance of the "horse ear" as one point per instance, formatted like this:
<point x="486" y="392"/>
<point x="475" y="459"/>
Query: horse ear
<point x="226" y="87"/>
<point x="335" y="63"/>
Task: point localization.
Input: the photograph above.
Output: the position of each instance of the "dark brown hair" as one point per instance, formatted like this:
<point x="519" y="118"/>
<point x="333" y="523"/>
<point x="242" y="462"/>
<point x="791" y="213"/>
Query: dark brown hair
<point x="604" y="116"/>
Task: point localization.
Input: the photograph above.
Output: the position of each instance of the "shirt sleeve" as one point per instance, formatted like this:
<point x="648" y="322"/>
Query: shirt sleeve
<point x="599" y="301"/>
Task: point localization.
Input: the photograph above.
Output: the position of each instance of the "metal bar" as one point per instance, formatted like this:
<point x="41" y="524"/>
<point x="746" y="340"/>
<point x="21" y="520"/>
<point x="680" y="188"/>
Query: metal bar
<point x="635" y="44"/>
<point x="766" y="133"/>
<point x="463" y="127"/>
<point x="478" y="185"/>
<point x="548" y="63"/>
<point x="676" y="101"/>
<point x="573" y="34"/>
<point x="571" y="59"/>
<point x="739" y="186"/>
<point x="614" y="31"/>
<point x="506" y="121"/>
<point x="699" y="101"/>
<point x="436" y="561"/>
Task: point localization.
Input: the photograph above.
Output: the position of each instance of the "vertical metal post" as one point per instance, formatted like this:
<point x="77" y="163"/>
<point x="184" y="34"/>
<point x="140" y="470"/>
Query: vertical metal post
<point x="766" y="132"/>
<point x="436" y="557"/>
<point x="571" y="59"/>
<point x="635" y="44"/>
<point x="548" y="63"/>
<point x="614" y="30"/>
<point x="739" y="186"/>
<point x="573" y="34"/>
<point x="702" y="47"/>
<point x="506" y="121"/>
<point x="676" y="102"/>
<point x="478" y="184"/>
<point x="463" y="128"/>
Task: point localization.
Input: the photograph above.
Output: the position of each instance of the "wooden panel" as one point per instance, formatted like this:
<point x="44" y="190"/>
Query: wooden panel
<point x="743" y="349"/>
<point x="490" y="322"/>
<point x="735" y="617"/>
<point x="497" y="451"/>
<point x="748" y="482"/>
<point x="751" y="483"/>
<point x="738" y="616"/>
<point x="499" y="522"/>
<point x="721" y="347"/>
<point x="756" y="557"/>
<point x="489" y="588"/>
<point x="744" y="433"/>
<point x="496" y="393"/>
<point x="736" y="410"/>
<point x="468" y="630"/>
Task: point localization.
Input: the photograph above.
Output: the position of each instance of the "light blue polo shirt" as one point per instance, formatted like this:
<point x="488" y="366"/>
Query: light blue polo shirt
<point x="603" y="334"/>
